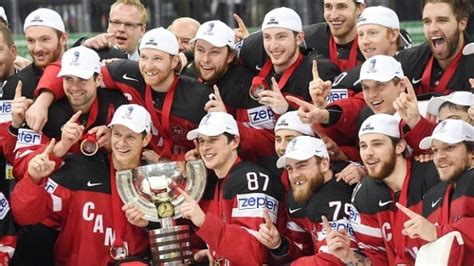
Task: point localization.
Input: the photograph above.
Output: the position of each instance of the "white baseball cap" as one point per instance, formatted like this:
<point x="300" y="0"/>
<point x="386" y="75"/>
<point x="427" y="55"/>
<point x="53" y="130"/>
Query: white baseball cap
<point x="360" y="1"/>
<point x="3" y="15"/>
<point x="381" y="124"/>
<point x="302" y="148"/>
<point x="468" y="49"/>
<point x="291" y="120"/>
<point x="380" y="68"/>
<point x="133" y="116"/>
<point x="81" y="62"/>
<point x="282" y="17"/>
<point x="160" y="39"/>
<point x="379" y="15"/>
<point x="462" y="98"/>
<point x="450" y="131"/>
<point x="45" y="17"/>
<point x="216" y="33"/>
<point x="214" y="124"/>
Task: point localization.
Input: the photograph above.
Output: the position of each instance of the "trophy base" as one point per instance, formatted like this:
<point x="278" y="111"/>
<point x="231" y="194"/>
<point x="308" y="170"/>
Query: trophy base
<point x="171" y="246"/>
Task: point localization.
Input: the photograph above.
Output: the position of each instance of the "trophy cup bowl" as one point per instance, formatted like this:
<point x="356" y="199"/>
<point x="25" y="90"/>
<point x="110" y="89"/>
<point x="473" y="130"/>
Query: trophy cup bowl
<point x="152" y="189"/>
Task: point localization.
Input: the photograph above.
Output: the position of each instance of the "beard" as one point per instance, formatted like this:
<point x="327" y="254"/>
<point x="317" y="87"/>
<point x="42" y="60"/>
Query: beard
<point x="55" y="55"/>
<point x="303" y="194"/>
<point x="388" y="165"/>
<point x="452" y="44"/>
<point x="463" y="166"/>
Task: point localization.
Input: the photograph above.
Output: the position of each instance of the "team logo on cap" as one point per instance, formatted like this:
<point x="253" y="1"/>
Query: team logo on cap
<point x="372" y="64"/>
<point x="128" y="115"/>
<point x="151" y="41"/>
<point x="283" y="123"/>
<point x="361" y="19"/>
<point x="272" y="21"/>
<point x="75" y="60"/>
<point x="209" y="29"/>
<point x="205" y="120"/>
<point x="292" y="145"/>
<point x="368" y="126"/>
<point x="442" y="126"/>
<point x="37" y="18"/>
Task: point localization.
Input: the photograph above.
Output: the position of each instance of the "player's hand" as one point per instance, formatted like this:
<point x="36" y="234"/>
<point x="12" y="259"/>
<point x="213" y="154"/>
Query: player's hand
<point x="100" y="41"/>
<point x="267" y="233"/>
<point x="37" y="114"/>
<point x="334" y="151"/>
<point x="406" y="105"/>
<point x="352" y="174"/>
<point x="274" y="99"/>
<point x="241" y="32"/>
<point x="318" y="89"/>
<point x="103" y="135"/>
<point x="202" y="255"/>
<point x="20" y="105"/>
<point x="150" y="156"/>
<point x="191" y="210"/>
<point x="417" y="226"/>
<point x="41" y="166"/>
<point x="215" y="103"/>
<point x="71" y="134"/>
<point x="308" y="113"/>
<point x="134" y="215"/>
<point x="338" y="242"/>
<point x="424" y="158"/>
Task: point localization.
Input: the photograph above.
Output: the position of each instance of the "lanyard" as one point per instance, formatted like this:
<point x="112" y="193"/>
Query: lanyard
<point x="442" y="86"/>
<point x="163" y="124"/>
<point x="343" y="64"/>
<point x="118" y="216"/>
<point x="446" y="202"/>
<point x="398" y="217"/>
<point x="286" y="74"/>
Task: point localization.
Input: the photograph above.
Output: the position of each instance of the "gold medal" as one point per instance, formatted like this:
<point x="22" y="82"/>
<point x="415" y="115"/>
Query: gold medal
<point x="165" y="210"/>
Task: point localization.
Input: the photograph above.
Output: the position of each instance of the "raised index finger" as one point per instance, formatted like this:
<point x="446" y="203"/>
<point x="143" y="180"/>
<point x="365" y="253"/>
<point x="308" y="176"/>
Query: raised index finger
<point x="50" y="146"/>
<point x="405" y="210"/>
<point x="298" y="101"/>
<point x="75" y="117"/>
<point x="315" y="70"/>
<point x="268" y="219"/>
<point x="185" y="195"/>
<point x="18" y="89"/>
<point x="410" y="89"/>
<point x="326" y="225"/>
<point x="240" y="22"/>
<point x="217" y="93"/>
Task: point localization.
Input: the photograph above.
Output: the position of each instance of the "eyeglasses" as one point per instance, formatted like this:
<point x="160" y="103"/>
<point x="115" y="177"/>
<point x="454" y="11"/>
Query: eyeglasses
<point x="128" y="25"/>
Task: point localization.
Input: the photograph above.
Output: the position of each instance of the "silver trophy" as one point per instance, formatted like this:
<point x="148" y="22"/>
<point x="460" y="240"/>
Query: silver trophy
<point x="152" y="188"/>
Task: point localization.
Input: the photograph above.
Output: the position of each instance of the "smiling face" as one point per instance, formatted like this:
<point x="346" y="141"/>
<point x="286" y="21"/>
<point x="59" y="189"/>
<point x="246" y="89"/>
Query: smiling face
<point x="127" y="147"/>
<point x="211" y="62"/>
<point x="377" y="40"/>
<point x="379" y="96"/>
<point x="306" y="177"/>
<point x="44" y="44"/>
<point x="450" y="159"/>
<point x="443" y="31"/>
<point x="341" y="16"/>
<point x="80" y="92"/>
<point x="218" y="152"/>
<point x="379" y="154"/>
<point x="282" y="46"/>
<point x="157" y="67"/>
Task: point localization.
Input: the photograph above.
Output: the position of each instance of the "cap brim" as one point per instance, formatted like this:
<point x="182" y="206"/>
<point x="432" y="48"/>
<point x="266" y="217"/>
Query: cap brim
<point x="426" y="142"/>
<point x="212" y="41"/>
<point x="127" y="125"/>
<point x="468" y="49"/>
<point x="80" y="73"/>
<point x="434" y="104"/>
<point x="210" y="132"/>
<point x="281" y="162"/>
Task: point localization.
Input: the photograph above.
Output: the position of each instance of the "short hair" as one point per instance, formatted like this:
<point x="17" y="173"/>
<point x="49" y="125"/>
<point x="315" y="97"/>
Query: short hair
<point x="461" y="8"/>
<point x="191" y="21"/>
<point x="7" y="35"/>
<point x="136" y="3"/>
<point x="469" y="146"/>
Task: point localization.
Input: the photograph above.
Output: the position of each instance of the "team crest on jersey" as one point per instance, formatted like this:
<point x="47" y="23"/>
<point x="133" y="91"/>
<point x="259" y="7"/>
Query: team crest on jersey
<point x="5" y="111"/>
<point x="27" y="137"/>
<point x="4" y="206"/>
<point x="337" y="94"/>
<point x="261" y="117"/>
<point x="178" y="130"/>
